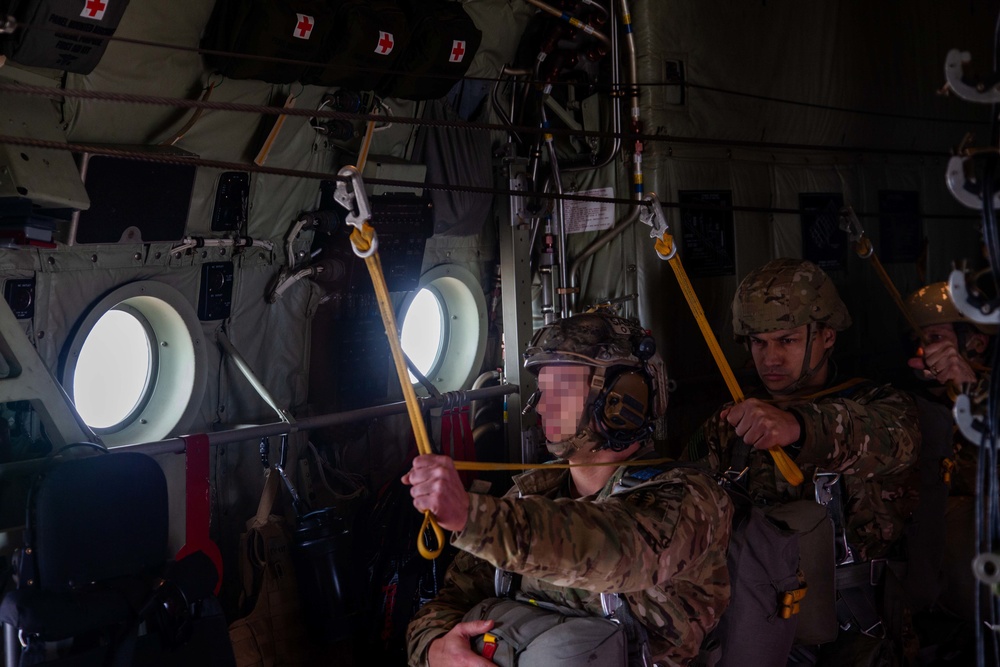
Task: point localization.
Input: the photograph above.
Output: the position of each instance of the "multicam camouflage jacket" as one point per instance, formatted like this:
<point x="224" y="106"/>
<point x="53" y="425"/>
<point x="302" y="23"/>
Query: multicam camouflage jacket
<point x="662" y="544"/>
<point x="867" y="432"/>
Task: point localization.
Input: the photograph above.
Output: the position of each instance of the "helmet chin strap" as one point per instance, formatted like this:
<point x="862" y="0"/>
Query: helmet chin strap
<point x="583" y="439"/>
<point x="586" y="435"/>
<point x="806" y="372"/>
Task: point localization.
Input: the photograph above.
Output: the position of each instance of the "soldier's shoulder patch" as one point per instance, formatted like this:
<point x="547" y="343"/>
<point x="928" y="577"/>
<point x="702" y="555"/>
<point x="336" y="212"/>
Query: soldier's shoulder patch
<point x="642" y="498"/>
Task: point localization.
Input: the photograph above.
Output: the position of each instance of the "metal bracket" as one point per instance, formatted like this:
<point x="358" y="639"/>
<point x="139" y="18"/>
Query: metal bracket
<point x="963" y="184"/>
<point x="983" y="92"/>
<point x="972" y="307"/>
<point x="971" y="425"/>
<point x="350" y="193"/>
<point x="652" y="214"/>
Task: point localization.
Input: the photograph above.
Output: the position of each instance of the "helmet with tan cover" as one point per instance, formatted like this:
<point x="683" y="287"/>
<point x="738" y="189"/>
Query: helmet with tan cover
<point x="785" y="294"/>
<point x="933" y="304"/>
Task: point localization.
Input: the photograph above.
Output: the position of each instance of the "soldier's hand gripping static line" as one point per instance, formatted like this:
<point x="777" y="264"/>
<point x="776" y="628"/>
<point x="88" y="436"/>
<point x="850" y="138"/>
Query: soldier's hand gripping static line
<point x="434" y="480"/>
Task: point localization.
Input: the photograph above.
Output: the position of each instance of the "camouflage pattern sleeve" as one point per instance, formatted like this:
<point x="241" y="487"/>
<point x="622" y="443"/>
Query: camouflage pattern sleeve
<point x="467" y="581"/>
<point x="876" y="429"/>
<point x="626" y="542"/>
<point x="704" y="447"/>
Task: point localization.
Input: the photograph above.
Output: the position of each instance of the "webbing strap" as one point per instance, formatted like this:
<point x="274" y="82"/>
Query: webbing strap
<point x="363" y="240"/>
<point x="665" y="247"/>
<point x="198" y="503"/>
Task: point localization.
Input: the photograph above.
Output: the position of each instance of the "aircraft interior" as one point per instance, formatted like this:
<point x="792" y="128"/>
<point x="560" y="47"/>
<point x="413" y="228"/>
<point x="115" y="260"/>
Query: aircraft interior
<point x="257" y="255"/>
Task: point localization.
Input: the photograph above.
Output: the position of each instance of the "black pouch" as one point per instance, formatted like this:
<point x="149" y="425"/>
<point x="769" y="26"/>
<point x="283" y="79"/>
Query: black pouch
<point x="280" y="38"/>
<point x="441" y="48"/>
<point x="368" y="41"/>
<point x="40" y="43"/>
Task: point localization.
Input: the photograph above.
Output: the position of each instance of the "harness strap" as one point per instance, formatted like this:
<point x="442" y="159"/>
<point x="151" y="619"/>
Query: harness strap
<point x="858" y="596"/>
<point x="829" y="493"/>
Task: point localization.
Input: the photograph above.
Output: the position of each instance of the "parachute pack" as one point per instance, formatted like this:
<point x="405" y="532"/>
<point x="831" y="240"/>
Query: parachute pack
<point x="767" y="613"/>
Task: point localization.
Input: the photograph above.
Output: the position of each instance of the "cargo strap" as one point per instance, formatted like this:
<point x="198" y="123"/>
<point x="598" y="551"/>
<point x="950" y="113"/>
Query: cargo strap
<point x="829" y="494"/>
<point x="350" y="194"/>
<point x="858" y="594"/>
<point x="652" y="215"/>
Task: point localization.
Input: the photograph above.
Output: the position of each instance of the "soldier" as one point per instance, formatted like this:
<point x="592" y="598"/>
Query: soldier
<point x="951" y="360"/>
<point x="788" y="311"/>
<point x="573" y="534"/>
<point x="956" y="348"/>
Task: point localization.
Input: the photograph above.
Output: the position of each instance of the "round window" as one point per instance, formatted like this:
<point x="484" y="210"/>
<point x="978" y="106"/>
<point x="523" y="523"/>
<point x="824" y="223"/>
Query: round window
<point x="422" y="334"/>
<point x="136" y="366"/>
<point x="117" y="362"/>
<point x="444" y="327"/>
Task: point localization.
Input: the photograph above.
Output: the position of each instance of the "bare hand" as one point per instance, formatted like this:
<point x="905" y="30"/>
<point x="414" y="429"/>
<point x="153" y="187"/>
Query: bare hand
<point x="762" y="425"/>
<point x="437" y="487"/>
<point x="455" y="650"/>
<point x="944" y="363"/>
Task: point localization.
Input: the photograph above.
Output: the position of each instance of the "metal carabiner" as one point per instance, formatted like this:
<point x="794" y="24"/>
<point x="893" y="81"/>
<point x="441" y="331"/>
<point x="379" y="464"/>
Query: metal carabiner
<point x="350" y="193"/>
<point x="849" y="222"/>
<point x="824" y="487"/>
<point x="652" y="214"/>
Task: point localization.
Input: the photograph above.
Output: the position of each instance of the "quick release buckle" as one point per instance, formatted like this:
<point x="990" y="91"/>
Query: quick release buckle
<point x="824" y="486"/>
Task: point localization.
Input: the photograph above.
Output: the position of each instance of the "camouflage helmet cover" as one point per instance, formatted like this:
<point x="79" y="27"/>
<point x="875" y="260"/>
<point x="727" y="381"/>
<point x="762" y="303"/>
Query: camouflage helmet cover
<point x="785" y="294"/>
<point x="933" y="304"/>
<point x="597" y="339"/>
<point x="600" y="339"/>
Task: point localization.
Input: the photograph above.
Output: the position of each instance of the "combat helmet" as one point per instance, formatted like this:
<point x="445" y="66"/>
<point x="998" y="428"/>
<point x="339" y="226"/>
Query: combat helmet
<point x="628" y="383"/>
<point x="596" y="339"/>
<point x="933" y="304"/>
<point x="785" y="294"/>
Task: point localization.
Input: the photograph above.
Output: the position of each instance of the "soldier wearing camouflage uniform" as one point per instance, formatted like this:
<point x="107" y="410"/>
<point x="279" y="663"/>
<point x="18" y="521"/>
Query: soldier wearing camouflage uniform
<point x="955" y="347"/>
<point x="951" y="360"/>
<point x="789" y="312"/>
<point x="569" y="533"/>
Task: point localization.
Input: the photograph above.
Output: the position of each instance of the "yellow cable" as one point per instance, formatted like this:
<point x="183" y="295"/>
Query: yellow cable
<point x="865" y="250"/>
<point x="362" y="241"/>
<point x="786" y="466"/>
<point x="486" y="465"/>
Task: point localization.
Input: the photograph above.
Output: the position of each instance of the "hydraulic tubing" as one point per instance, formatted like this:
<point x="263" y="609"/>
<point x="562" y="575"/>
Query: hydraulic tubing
<point x="559" y="212"/>
<point x="572" y="20"/>
<point x="616" y="107"/>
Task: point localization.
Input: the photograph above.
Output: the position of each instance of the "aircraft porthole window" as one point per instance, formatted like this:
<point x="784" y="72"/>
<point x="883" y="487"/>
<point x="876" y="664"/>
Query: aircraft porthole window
<point x="444" y="327"/>
<point x="135" y="367"/>
<point x="113" y="373"/>
<point x="423" y="331"/>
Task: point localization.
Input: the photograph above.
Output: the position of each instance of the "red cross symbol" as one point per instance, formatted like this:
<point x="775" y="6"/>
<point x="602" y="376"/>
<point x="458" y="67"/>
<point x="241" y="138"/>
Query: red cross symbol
<point x="457" y="51"/>
<point x="304" y="27"/>
<point x="94" y="9"/>
<point x="385" y="43"/>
